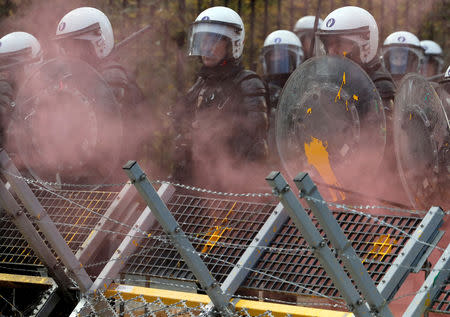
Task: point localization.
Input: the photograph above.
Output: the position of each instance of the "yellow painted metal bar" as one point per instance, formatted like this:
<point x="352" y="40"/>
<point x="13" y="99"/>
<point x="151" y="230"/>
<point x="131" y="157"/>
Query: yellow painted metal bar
<point x="192" y="299"/>
<point x="15" y="278"/>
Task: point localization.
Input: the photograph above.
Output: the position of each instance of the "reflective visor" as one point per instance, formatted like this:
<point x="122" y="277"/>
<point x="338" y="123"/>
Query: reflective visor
<point x="205" y="37"/>
<point x="336" y="45"/>
<point x="401" y="60"/>
<point x="8" y="60"/>
<point x="280" y="59"/>
<point x="432" y="65"/>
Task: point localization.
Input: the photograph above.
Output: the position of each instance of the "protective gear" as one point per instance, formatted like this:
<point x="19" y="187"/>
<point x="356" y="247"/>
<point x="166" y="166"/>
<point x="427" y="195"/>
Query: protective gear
<point x="433" y="62"/>
<point x="212" y="26"/>
<point x="402" y="54"/>
<point x="330" y="111"/>
<point x="280" y="56"/>
<point x="421" y="138"/>
<point x="351" y="32"/>
<point x="124" y="86"/>
<point x="447" y="73"/>
<point x="305" y="25"/>
<point x="63" y="125"/>
<point x="87" y="24"/>
<point x="304" y="29"/>
<point x="19" y="48"/>
<point x="224" y="115"/>
<point x="281" y="53"/>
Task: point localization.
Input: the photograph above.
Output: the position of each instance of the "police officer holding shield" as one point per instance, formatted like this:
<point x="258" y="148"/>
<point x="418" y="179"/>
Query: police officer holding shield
<point x="20" y="52"/>
<point x="353" y="32"/>
<point x="402" y="54"/>
<point x="86" y="33"/>
<point x="223" y="117"/>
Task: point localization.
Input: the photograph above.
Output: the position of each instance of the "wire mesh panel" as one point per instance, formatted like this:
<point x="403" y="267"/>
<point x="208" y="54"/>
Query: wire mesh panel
<point x="75" y="214"/>
<point x="293" y="268"/>
<point x="14" y="249"/>
<point x="442" y="302"/>
<point x="219" y="229"/>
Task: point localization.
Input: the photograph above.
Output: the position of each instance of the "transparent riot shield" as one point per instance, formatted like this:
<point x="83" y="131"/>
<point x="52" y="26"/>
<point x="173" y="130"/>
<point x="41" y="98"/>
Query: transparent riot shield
<point x="421" y="140"/>
<point x="331" y="123"/>
<point x="66" y="125"/>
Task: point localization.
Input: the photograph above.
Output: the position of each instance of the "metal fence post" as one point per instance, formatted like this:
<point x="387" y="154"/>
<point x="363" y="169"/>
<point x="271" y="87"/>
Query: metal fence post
<point x="44" y="222"/>
<point x="130" y="242"/>
<point x="115" y="211"/>
<point x="35" y="241"/>
<point x="431" y="287"/>
<point x="181" y="242"/>
<point x="250" y="258"/>
<point x="344" y="248"/>
<point x="411" y="253"/>
<point x="321" y="250"/>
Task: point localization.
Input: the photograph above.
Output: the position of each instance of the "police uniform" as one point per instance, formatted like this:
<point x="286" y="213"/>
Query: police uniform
<point x="224" y="116"/>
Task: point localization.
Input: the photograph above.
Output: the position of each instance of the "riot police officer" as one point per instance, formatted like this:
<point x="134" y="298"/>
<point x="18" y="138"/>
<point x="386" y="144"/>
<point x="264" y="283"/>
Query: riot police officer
<point x="433" y="62"/>
<point x="86" y="33"/>
<point x="19" y="53"/>
<point x="281" y="54"/>
<point x="223" y="118"/>
<point x="353" y="32"/>
<point x="304" y="29"/>
<point x="402" y="54"/>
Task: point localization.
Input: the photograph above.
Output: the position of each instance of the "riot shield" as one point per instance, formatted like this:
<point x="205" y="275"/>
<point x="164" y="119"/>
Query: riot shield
<point x="67" y="126"/>
<point x="421" y="140"/>
<point x="331" y="123"/>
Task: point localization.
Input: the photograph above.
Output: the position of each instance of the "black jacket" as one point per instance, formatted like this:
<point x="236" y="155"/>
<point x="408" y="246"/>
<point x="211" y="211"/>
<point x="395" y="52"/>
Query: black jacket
<point x="124" y="86"/>
<point x="383" y="81"/>
<point x="223" y="115"/>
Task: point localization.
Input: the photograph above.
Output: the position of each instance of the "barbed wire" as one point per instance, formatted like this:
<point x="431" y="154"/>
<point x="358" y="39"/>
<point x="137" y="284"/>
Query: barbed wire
<point x="341" y="206"/>
<point x="12" y="305"/>
<point x="345" y="207"/>
<point x="166" y="240"/>
<point x="201" y="190"/>
<point x="160" y="182"/>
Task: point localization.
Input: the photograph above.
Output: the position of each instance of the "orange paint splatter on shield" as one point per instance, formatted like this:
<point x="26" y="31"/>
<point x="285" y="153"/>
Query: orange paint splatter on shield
<point x="317" y="155"/>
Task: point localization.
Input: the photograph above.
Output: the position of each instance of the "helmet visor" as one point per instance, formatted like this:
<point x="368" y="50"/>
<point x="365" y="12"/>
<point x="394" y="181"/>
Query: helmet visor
<point x="206" y="38"/>
<point x="281" y="59"/>
<point x="9" y="60"/>
<point x="329" y="44"/>
<point x="432" y="65"/>
<point x="401" y="60"/>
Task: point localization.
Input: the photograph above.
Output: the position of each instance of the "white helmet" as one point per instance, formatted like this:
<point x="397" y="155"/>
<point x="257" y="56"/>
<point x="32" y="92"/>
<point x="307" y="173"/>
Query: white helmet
<point x="402" y="53"/>
<point x="281" y="53"/>
<point x="447" y="73"/>
<point x="88" y="24"/>
<point x="433" y="61"/>
<point x="212" y="25"/>
<point x="306" y="25"/>
<point x="353" y="27"/>
<point x="19" y="48"/>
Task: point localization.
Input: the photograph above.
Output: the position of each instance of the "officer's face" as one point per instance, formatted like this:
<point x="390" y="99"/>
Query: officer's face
<point x="431" y="68"/>
<point x="79" y="49"/>
<point x="338" y="46"/>
<point x="217" y="50"/>
<point x="399" y="58"/>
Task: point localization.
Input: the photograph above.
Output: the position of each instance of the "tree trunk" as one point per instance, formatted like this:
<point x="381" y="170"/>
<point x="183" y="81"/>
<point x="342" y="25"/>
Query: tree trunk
<point x="252" y="35"/>
<point x="266" y="16"/>
<point x="279" y="14"/>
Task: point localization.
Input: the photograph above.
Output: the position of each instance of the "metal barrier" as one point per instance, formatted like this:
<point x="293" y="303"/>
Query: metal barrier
<point x="252" y="251"/>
